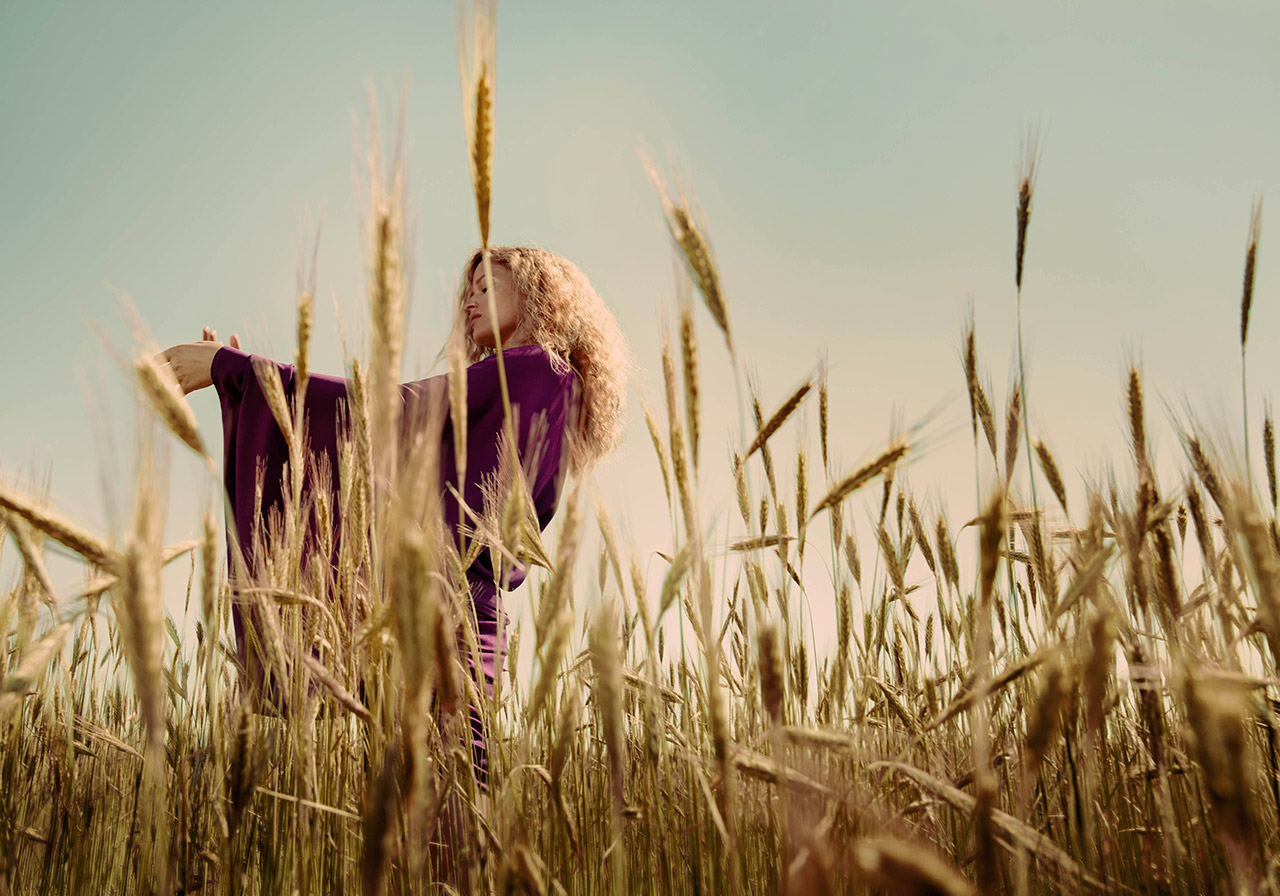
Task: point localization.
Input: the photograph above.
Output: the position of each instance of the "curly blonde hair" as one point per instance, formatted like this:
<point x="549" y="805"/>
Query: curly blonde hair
<point x="561" y="311"/>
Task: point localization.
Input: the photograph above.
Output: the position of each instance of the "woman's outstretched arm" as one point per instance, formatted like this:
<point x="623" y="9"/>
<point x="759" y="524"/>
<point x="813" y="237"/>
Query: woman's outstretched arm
<point x="197" y="365"/>
<point x="230" y="367"/>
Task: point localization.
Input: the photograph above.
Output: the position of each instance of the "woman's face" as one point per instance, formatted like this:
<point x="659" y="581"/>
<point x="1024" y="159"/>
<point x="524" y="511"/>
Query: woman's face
<point x="476" y="306"/>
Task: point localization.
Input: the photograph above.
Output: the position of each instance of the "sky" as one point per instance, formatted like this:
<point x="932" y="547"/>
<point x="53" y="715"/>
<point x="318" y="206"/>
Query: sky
<point x="856" y="165"/>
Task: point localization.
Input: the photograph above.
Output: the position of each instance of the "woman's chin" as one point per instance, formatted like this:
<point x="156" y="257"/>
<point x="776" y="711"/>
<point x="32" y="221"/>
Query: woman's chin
<point x="485" y="340"/>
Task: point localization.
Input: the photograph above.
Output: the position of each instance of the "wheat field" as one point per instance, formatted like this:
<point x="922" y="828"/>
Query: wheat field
<point x="1025" y="696"/>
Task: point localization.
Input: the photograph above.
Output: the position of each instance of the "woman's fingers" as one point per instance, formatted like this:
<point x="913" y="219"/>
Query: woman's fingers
<point x="235" y="341"/>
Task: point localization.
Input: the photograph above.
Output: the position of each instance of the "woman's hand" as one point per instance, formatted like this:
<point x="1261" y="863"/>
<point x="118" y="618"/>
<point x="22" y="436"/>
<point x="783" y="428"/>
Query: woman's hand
<point x="192" y="362"/>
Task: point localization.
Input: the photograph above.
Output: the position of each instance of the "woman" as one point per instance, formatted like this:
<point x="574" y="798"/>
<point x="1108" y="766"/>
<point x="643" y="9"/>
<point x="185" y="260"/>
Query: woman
<point x="566" y="364"/>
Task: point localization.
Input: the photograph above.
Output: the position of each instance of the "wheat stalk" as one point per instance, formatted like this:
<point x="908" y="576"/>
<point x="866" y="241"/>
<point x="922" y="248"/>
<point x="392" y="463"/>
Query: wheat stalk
<point x="32" y="557"/>
<point x="822" y="418"/>
<point x="386" y="300"/>
<point x="60" y="529"/>
<point x="1137" y="424"/>
<point x="1051" y="474"/>
<point x="1026" y="188"/>
<point x="409" y="579"/>
<point x="268" y="375"/>
<point x="209" y="576"/>
<point x="658" y="447"/>
<point x="1013" y="421"/>
<point x="772" y="679"/>
<point x="675" y="432"/>
<point x="458" y="408"/>
<point x="608" y="691"/>
<point x="907" y="868"/>
<point x="358" y="404"/>
<point x="137" y="600"/>
<point x="947" y="552"/>
<point x="1250" y="269"/>
<point x="477" y="76"/>
<point x="689" y="359"/>
<point x="766" y="456"/>
<point x="1217" y="711"/>
<point x="1205" y="470"/>
<point x="162" y="391"/>
<point x="802" y="499"/>
<point x="779" y="417"/>
<point x="1269" y="454"/>
<point x="1246" y="306"/>
<point x="445" y="652"/>
<point x="922" y="539"/>
<point x="894" y="453"/>
<point x="694" y="247"/>
<point x="566" y="727"/>
<point x="306" y="322"/>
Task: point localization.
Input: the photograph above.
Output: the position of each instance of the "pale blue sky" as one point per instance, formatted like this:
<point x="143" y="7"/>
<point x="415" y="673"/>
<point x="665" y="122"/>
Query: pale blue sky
<point x="856" y="164"/>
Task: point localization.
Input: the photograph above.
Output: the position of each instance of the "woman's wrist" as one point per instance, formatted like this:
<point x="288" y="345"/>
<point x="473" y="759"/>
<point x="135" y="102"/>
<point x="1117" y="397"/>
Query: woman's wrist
<point x="227" y="364"/>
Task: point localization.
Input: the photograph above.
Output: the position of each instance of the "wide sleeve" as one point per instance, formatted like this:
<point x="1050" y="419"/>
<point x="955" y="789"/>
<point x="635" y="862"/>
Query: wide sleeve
<point x="232" y="369"/>
<point x="252" y="439"/>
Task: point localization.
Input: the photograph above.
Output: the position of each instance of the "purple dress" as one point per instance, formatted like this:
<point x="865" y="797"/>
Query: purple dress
<point x="536" y="389"/>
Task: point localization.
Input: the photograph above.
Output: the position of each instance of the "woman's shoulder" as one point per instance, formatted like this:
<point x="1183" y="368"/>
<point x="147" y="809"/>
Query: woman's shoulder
<point x="530" y="368"/>
<point x="530" y="358"/>
<point x="532" y="350"/>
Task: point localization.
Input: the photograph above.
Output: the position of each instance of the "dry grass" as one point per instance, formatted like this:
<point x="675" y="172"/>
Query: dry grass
<point x="872" y="778"/>
<point x="683" y="731"/>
